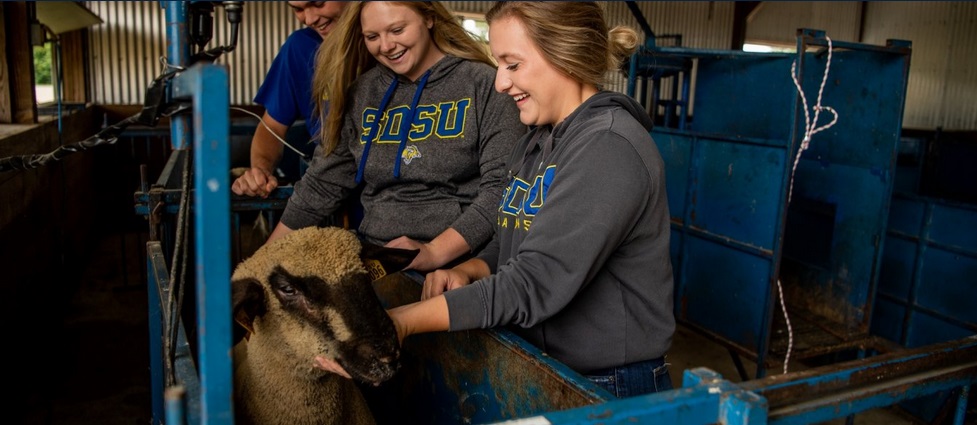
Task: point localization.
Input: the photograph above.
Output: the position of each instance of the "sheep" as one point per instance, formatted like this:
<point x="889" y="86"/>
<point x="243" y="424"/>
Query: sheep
<point x="304" y="295"/>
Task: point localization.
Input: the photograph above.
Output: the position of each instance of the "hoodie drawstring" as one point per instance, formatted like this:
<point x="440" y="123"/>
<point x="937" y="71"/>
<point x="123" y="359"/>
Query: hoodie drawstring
<point x="375" y="128"/>
<point x="404" y="126"/>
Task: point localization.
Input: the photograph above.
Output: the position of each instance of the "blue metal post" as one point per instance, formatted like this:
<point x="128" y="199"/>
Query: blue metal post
<point x="212" y="205"/>
<point x="178" y="54"/>
<point x="210" y="131"/>
<point x="961" y="412"/>
<point x="154" y="256"/>
<point x="175" y="406"/>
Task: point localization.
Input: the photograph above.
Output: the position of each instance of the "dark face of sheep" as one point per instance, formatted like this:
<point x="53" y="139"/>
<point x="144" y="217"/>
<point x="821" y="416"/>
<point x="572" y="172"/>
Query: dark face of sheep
<point x="285" y="290"/>
<point x="347" y="312"/>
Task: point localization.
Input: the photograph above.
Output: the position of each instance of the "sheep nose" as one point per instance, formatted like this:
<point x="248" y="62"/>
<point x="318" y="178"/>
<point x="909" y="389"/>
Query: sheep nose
<point x="386" y="353"/>
<point x="389" y="360"/>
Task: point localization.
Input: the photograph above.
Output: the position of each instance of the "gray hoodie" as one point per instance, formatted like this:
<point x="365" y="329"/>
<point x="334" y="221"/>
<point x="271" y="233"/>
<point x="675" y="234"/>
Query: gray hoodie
<point x="436" y="159"/>
<point x="581" y="250"/>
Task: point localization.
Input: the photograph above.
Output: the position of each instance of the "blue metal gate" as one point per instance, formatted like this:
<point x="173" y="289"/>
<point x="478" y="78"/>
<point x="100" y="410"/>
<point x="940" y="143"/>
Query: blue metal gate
<point x="744" y="223"/>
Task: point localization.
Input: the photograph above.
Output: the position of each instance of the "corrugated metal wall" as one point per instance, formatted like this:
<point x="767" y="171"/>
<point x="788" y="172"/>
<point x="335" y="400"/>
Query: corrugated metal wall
<point x="943" y="73"/>
<point x="702" y="25"/>
<point x="127" y="48"/>
<point x="942" y="88"/>
<point x="469" y="6"/>
<point x="777" y="22"/>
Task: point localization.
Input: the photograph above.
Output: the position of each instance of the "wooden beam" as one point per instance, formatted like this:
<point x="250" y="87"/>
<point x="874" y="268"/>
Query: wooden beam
<point x="17" y="84"/>
<point x="6" y="108"/>
<point x="741" y="18"/>
<point x="74" y="48"/>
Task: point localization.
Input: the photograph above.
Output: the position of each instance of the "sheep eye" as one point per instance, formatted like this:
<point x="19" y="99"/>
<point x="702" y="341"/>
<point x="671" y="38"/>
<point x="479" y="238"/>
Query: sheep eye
<point x="288" y="290"/>
<point x="283" y="285"/>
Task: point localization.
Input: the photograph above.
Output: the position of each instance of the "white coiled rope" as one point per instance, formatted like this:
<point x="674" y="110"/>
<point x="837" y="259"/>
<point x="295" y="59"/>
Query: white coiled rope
<point x="810" y="128"/>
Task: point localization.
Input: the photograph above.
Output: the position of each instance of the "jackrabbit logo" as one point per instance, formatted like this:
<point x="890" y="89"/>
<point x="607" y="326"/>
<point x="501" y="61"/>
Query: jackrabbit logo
<point x="411" y="152"/>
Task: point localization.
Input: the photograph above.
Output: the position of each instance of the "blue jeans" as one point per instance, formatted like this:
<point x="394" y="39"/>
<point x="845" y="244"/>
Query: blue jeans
<point x="634" y="379"/>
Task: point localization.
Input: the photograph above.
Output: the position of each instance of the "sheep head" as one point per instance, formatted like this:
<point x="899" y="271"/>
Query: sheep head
<point x="309" y="293"/>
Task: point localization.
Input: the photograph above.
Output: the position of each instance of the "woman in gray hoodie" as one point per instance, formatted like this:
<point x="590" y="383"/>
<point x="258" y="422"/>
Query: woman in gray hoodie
<point x="415" y="125"/>
<point x="579" y="265"/>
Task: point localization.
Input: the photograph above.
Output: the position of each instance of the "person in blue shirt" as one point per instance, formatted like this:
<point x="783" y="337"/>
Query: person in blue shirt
<point x="286" y="95"/>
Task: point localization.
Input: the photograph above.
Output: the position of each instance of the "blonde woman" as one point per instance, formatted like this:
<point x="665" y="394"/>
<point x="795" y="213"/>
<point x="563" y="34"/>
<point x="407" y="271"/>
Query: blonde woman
<point x="579" y="265"/>
<point x="415" y="125"/>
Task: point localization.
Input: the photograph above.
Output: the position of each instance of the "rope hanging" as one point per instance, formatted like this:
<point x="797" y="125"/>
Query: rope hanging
<point x="810" y="129"/>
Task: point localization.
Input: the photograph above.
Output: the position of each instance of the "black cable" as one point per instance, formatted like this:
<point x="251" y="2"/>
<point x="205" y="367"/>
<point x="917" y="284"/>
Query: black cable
<point x="107" y="136"/>
<point x="178" y="273"/>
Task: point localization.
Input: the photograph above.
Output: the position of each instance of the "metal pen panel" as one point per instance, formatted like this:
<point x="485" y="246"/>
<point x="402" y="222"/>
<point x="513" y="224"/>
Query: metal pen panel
<point x="745" y="224"/>
<point x="926" y="285"/>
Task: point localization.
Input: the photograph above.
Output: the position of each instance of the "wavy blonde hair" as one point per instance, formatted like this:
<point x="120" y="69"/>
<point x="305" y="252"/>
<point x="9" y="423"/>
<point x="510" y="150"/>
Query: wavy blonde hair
<point x="571" y="35"/>
<point x="343" y="57"/>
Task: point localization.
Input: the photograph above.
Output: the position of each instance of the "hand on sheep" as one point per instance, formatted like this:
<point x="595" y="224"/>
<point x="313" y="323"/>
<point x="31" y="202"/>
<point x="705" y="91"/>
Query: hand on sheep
<point x="330" y="365"/>
<point x="255" y="182"/>
<point x="444" y="248"/>
<point x="425" y="257"/>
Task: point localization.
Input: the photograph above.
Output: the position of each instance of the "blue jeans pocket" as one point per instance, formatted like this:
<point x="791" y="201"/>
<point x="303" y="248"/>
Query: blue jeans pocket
<point x="606" y="382"/>
<point x="634" y="379"/>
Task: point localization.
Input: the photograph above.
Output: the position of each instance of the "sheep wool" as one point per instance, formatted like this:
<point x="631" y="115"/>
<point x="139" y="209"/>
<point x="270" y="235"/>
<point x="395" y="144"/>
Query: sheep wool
<point x="338" y="257"/>
<point x="304" y="295"/>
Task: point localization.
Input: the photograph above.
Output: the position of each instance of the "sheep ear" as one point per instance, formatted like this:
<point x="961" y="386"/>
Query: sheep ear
<point x="380" y="261"/>
<point x="247" y="302"/>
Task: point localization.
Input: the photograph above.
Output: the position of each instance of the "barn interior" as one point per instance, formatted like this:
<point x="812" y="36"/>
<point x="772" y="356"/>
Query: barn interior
<point x="852" y="267"/>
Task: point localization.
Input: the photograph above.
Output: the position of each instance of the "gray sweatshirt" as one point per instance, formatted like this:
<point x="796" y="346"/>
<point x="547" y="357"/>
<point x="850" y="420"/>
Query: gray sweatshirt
<point x="447" y="136"/>
<point x="581" y="250"/>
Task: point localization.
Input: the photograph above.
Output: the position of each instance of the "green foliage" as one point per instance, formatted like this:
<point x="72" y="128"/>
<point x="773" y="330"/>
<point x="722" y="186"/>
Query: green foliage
<point x="42" y="64"/>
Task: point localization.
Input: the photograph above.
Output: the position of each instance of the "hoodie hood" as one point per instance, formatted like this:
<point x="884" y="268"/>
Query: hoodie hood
<point x="599" y="103"/>
<point x="438" y="71"/>
<point x="433" y="75"/>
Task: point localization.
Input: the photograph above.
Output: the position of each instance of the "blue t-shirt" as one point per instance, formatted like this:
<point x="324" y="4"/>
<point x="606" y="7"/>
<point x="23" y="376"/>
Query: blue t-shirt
<point x="286" y="93"/>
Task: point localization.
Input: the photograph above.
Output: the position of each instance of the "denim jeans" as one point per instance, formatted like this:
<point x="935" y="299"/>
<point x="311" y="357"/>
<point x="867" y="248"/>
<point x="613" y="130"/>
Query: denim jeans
<point x="634" y="379"/>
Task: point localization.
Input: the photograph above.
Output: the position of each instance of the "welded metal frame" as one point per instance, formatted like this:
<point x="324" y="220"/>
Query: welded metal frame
<point x="206" y="377"/>
<point x="808" y="397"/>
<point x="737" y="204"/>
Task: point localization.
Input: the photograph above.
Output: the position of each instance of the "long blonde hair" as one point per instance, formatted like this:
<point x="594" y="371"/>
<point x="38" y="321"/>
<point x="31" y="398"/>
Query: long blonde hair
<point x="343" y="57"/>
<point x="572" y="36"/>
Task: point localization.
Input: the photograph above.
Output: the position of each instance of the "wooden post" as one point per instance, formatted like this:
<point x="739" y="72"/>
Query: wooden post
<point x="17" y="104"/>
<point x="6" y="116"/>
<point x="74" y="48"/>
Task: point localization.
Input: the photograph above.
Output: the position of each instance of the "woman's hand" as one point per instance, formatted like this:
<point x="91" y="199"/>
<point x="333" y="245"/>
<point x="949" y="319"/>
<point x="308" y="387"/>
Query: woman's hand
<point x="255" y="182"/>
<point x="444" y="248"/>
<point x="439" y="281"/>
<point x="425" y="259"/>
